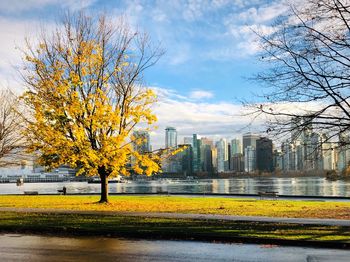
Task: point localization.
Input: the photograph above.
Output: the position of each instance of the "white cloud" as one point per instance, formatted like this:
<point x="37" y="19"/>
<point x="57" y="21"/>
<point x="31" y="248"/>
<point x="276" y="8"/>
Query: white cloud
<point x="263" y="14"/>
<point x="215" y="119"/>
<point x="200" y="94"/>
<point x="12" y="34"/>
<point x="243" y="26"/>
<point x="12" y="6"/>
<point x="210" y="119"/>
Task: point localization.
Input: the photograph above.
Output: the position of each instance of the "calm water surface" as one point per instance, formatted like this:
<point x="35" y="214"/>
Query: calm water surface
<point x="309" y="186"/>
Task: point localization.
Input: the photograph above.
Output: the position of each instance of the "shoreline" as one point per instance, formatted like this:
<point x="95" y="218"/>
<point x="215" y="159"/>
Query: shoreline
<point x="228" y="195"/>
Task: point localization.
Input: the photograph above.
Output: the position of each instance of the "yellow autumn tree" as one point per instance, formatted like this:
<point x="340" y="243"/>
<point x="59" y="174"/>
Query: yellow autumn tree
<point x="86" y="94"/>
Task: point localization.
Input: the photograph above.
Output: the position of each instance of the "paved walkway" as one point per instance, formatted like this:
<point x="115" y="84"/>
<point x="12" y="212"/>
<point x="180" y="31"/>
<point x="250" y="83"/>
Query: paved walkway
<point x="311" y="221"/>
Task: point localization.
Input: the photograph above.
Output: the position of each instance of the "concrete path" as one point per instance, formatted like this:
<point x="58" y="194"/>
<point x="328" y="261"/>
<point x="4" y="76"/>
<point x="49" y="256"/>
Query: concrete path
<point x="310" y="221"/>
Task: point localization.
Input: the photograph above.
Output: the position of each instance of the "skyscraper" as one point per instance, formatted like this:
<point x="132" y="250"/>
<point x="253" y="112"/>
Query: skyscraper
<point x="236" y="146"/>
<point x="170" y="137"/>
<point x="222" y="154"/>
<point x="249" y="159"/>
<point x="196" y="151"/>
<point x="249" y="139"/>
<point x="249" y="146"/>
<point x="264" y="157"/>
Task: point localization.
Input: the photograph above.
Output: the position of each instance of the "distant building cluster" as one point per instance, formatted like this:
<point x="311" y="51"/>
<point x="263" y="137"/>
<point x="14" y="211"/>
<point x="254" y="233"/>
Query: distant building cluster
<point x="304" y="150"/>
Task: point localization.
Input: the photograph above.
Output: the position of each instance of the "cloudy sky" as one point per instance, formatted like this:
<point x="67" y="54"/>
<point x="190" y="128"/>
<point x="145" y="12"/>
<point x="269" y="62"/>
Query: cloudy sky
<point x="210" y="46"/>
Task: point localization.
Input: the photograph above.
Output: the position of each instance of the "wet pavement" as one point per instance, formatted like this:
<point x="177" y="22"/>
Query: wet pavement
<point x="46" y="248"/>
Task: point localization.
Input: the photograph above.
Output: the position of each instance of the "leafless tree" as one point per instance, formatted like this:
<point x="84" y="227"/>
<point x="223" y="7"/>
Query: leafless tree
<point x="11" y="124"/>
<point x="308" y="75"/>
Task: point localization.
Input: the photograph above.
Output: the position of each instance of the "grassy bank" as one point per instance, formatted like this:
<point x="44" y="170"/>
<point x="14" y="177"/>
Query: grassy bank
<point x="195" y="205"/>
<point x="166" y="228"/>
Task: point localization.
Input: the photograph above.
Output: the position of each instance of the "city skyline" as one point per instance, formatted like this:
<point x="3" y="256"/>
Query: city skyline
<point x="305" y="150"/>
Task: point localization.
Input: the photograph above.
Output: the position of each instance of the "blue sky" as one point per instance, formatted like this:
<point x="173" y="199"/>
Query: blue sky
<point x="210" y="51"/>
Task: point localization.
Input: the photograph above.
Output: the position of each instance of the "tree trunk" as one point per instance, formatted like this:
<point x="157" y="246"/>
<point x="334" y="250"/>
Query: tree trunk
<point x="104" y="185"/>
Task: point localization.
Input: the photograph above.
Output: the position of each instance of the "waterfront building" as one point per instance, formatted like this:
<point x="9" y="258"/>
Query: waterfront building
<point x="196" y="154"/>
<point x="288" y="156"/>
<point x="264" y="158"/>
<point x="206" y="155"/>
<point x="299" y="155"/>
<point x="170" y="137"/>
<point x="185" y="158"/>
<point x="277" y="160"/>
<point x="236" y="146"/>
<point x="206" y="158"/>
<point x="237" y="163"/>
<point x="313" y="152"/>
<point x="249" y="140"/>
<point x="235" y="150"/>
<point x="222" y="154"/>
<point x="214" y="155"/>
<point x="249" y="159"/>
<point x="228" y="161"/>
<point x="329" y="155"/>
<point x="343" y="154"/>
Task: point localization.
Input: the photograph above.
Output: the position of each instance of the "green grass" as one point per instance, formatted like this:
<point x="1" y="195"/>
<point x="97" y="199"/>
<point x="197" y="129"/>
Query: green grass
<point x="110" y="225"/>
<point x="195" y="205"/>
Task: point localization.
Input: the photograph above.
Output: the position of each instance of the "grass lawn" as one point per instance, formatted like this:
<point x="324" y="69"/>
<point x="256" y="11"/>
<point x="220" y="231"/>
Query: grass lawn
<point x="168" y="228"/>
<point x="176" y="204"/>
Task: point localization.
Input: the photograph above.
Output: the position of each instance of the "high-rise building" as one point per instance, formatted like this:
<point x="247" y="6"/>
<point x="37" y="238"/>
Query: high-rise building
<point x="300" y="127"/>
<point x="288" y="156"/>
<point x="214" y="155"/>
<point x="207" y="141"/>
<point x="249" y="140"/>
<point x="343" y="155"/>
<point x="237" y="163"/>
<point x="196" y="152"/>
<point x="249" y="159"/>
<point x="222" y="154"/>
<point x="185" y="158"/>
<point x="206" y="158"/>
<point x="170" y="137"/>
<point x="228" y="161"/>
<point x="264" y="157"/>
<point x="277" y="160"/>
<point x="141" y="142"/>
<point x="206" y="155"/>
<point x="236" y="146"/>
<point x="329" y="156"/>
<point x="313" y="152"/>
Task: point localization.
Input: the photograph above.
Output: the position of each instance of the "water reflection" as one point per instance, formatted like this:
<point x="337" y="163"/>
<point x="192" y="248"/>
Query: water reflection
<point x="312" y="186"/>
<point x="42" y="248"/>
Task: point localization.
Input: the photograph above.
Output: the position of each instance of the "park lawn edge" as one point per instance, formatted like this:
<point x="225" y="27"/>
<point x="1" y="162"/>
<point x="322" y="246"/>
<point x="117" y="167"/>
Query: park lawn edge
<point x="175" y="229"/>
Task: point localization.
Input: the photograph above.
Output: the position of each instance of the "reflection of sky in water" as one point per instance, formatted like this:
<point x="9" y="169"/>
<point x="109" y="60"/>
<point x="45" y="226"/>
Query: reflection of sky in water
<point x="312" y="186"/>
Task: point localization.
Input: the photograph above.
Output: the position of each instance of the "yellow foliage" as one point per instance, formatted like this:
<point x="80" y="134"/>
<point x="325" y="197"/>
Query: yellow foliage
<point x="82" y="116"/>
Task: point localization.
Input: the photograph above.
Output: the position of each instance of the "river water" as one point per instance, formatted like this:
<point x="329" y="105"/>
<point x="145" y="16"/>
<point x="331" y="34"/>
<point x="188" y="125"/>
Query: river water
<point x="307" y="186"/>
